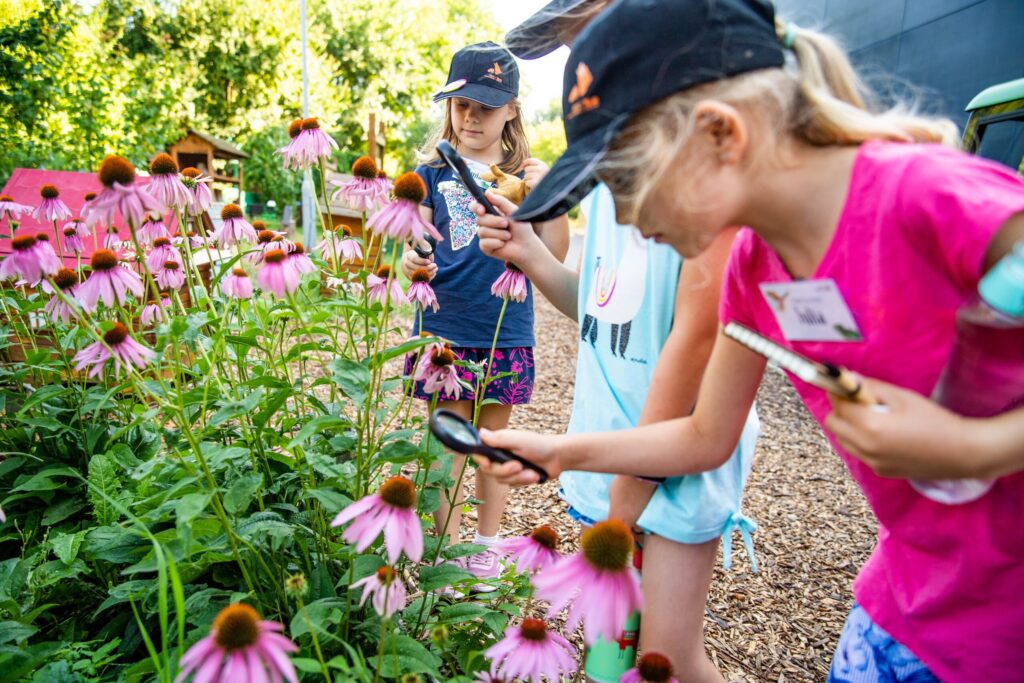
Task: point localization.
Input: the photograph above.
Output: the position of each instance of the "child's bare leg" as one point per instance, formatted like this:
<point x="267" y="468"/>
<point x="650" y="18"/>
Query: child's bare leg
<point x="493" y="494"/>
<point x="454" y="493"/>
<point x="676" y="579"/>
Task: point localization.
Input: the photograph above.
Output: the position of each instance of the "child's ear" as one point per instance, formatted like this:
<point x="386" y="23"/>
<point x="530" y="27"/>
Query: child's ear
<point x="512" y="113"/>
<point x="722" y="126"/>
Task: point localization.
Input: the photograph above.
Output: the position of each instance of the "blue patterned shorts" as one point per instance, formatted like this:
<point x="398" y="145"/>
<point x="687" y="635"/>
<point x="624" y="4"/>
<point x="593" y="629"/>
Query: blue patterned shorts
<point x="867" y="654"/>
<point x="514" y="388"/>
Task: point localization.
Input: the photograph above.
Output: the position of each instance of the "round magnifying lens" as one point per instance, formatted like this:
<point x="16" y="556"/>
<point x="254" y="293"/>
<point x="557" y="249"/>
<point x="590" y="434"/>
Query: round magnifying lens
<point x="459" y="430"/>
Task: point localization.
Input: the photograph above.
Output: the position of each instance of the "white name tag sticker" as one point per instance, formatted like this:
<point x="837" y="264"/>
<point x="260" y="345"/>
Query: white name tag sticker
<point x="811" y="310"/>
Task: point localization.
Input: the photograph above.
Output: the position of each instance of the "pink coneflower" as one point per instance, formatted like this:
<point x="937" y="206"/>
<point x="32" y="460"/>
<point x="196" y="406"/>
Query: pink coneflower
<point x="233" y="228"/>
<point x="312" y="144"/>
<point x="194" y="241"/>
<point x="237" y="285"/>
<point x="264" y="243"/>
<point x="652" y="668"/>
<point x="380" y="287"/>
<point x="276" y="276"/>
<point x="531" y="651"/>
<point x="169" y="275"/>
<point x="401" y="218"/>
<point x="254" y="650"/>
<point x="113" y="240"/>
<point x="152" y="229"/>
<point x="121" y="194"/>
<point x="57" y="308"/>
<point x="598" y="582"/>
<point x="391" y="510"/>
<point x="53" y="208"/>
<point x="532" y="553"/>
<point x="420" y="291"/>
<point x="290" y="151"/>
<point x="342" y="248"/>
<point x="299" y="261"/>
<point x="387" y="590"/>
<point x="29" y="261"/>
<point x="437" y="370"/>
<point x="11" y="209"/>
<point x="197" y="184"/>
<point x="155" y="312"/>
<point x="488" y="676"/>
<point x="74" y="231"/>
<point x="51" y="263"/>
<point x="3" y="517"/>
<point x="108" y="282"/>
<point x="511" y="284"/>
<point x="162" y="252"/>
<point x="125" y="352"/>
<point x="165" y="183"/>
<point x="384" y="186"/>
<point x="362" y="193"/>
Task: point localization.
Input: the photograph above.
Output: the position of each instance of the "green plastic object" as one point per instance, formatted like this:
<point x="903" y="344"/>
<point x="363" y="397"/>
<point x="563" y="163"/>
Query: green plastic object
<point x="1002" y="288"/>
<point x="998" y="94"/>
<point x="606" y="662"/>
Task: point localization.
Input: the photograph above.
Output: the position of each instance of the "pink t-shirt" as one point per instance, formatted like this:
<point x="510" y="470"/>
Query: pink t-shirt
<point x="946" y="581"/>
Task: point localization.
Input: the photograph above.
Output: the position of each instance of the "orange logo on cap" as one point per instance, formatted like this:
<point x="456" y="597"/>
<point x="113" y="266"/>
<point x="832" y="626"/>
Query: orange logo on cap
<point x="494" y="73"/>
<point x="581" y="104"/>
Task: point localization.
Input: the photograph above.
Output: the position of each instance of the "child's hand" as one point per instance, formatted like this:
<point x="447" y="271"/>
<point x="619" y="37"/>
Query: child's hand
<point x="501" y="238"/>
<point x="537" y="448"/>
<point x="533" y="171"/>
<point x="411" y="262"/>
<point x="914" y="439"/>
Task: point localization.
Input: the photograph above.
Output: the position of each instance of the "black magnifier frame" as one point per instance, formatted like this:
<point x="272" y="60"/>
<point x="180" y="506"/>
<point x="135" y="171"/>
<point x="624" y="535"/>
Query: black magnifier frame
<point x="459" y="434"/>
<point x="427" y="251"/>
<point x="458" y="165"/>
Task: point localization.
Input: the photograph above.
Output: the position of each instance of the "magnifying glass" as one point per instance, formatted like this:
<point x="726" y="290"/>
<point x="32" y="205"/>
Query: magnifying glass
<point x="458" y="165"/>
<point x="426" y="248"/>
<point x="459" y="434"/>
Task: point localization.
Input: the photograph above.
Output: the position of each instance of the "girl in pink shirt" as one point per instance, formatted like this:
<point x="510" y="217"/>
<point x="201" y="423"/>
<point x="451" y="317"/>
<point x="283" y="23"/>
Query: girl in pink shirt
<point x="690" y="116"/>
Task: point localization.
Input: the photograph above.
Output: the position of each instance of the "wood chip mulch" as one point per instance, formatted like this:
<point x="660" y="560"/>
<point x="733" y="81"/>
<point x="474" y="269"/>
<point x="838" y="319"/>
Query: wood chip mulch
<point x="815" y="529"/>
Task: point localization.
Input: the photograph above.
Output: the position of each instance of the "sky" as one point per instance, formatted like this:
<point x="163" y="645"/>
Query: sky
<point x="540" y="79"/>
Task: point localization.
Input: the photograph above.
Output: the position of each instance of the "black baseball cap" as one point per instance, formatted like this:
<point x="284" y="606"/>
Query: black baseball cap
<point x="537" y="36"/>
<point x="634" y="54"/>
<point x="483" y="72"/>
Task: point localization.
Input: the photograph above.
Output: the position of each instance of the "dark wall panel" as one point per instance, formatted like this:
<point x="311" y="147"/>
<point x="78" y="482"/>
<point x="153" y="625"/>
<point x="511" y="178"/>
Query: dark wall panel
<point x="944" y="51"/>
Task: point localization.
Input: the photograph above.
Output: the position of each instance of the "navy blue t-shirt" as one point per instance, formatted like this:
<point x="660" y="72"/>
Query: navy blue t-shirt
<point x="468" y="311"/>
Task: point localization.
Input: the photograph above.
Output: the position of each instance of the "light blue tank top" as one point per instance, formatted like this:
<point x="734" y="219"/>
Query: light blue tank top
<point x="627" y="296"/>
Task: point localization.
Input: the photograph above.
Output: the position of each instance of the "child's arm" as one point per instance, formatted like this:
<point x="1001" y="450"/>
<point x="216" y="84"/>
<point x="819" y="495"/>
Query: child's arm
<point x="681" y="364"/>
<point x="676" y="447"/>
<point x="554" y="233"/>
<point x="919" y="439"/>
<point x="517" y="242"/>
<point x="411" y="261"/>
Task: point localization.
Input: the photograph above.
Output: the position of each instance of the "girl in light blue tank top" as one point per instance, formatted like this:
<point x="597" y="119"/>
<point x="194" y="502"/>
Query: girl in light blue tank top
<point x="647" y="325"/>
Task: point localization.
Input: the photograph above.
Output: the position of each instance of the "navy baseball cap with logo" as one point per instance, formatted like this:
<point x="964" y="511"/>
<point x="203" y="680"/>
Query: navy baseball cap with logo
<point x="483" y="72"/>
<point x="636" y="53"/>
<point x="538" y="35"/>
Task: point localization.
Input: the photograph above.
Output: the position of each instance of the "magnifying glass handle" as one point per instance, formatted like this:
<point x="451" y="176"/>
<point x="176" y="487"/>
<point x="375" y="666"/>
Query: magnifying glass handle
<point x="427" y="251"/>
<point x="502" y="455"/>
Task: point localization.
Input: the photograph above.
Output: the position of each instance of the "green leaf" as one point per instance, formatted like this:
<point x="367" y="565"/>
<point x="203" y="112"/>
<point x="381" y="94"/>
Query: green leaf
<point x="496" y="622"/>
<point x="398" y="452"/>
<point x="65" y="546"/>
<point x="61" y="509"/>
<point x="333" y="501"/>
<point x="189" y="506"/>
<point x="306" y="665"/>
<point x="324" y="423"/>
<point x="462" y="550"/>
<point x="321" y="614"/>
<point x="412" y="658"/>
<point x="104" y="489"/>
<point x="464" y="611"/>
<point x="240" y="494"/>
<point x="15" y="632"/>
<point x="351" y="377"/>
<point x="43" y="480"/>
<point x="364" y="565"/>
<point x="233" y="409"/>
<point x="432" y="578"/>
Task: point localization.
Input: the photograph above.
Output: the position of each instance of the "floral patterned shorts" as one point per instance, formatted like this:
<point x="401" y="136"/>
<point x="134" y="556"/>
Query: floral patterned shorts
<point x="513" y="387"/>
